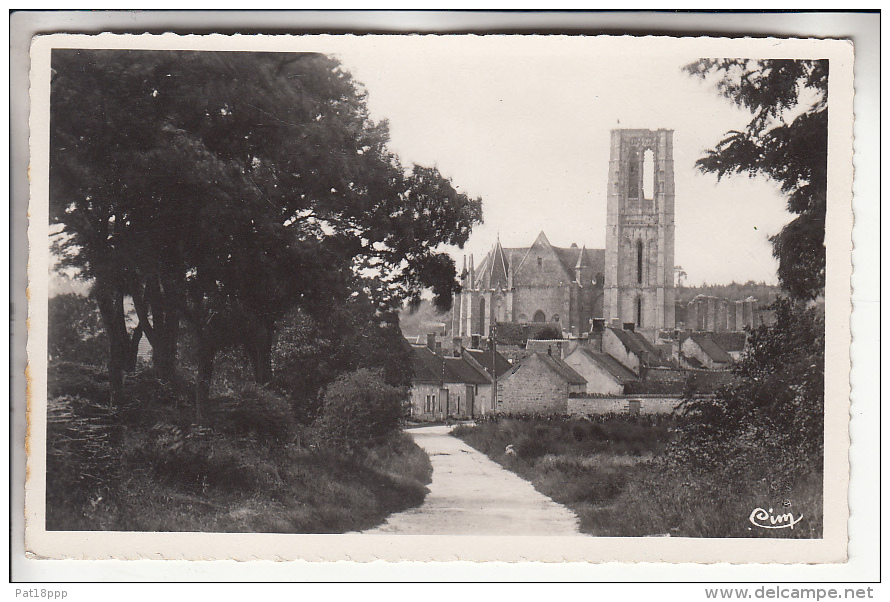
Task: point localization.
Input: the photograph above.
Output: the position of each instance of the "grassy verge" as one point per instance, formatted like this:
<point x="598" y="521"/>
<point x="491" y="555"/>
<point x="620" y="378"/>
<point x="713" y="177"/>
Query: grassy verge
<point x="145" y="467"/>
<point x="614" y="474"/>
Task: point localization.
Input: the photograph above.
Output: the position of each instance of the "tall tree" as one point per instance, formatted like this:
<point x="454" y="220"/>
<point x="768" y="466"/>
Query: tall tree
<point x="224" y="189"/>
<point x="787" y="140"/>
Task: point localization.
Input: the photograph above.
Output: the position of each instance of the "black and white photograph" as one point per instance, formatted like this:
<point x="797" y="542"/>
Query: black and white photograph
<point x="539" y="290"/>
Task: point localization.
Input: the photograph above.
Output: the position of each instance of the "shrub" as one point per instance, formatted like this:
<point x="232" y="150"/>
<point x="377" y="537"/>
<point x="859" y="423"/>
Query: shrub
<point x="360" y="409"/>
<point x="80" y="380"/>
<point x="75" y="331"/>
<point x="257" y="410"/>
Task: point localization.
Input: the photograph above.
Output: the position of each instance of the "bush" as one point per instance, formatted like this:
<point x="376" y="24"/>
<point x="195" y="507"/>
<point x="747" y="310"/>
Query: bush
<point x="257" y="410"/>
<point x="360" y="409"/>
<point x="76" y="379"/>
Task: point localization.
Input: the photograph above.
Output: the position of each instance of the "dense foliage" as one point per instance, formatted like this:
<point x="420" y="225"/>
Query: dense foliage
<point x="786" y="140"/>
<point x="734" y="291"/>
<point x="360" y="409"/>
<point x="75" y="332"/>
<point x="143" y="465"/>
<point x="311" y="353"/>
<point x="777" y="402"/>
<point x="220" y="191"/>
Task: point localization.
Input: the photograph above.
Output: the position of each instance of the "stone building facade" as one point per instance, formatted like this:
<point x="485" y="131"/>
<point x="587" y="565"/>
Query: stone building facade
<point x="629" y="284"/>
<point x="540" y="283"/>
<point x="639" y="277"/>
<point x="539" y="384"/>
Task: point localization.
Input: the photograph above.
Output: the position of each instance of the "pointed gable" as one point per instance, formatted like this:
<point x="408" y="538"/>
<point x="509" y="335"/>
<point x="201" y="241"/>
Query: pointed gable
<point x="542" y="259"/>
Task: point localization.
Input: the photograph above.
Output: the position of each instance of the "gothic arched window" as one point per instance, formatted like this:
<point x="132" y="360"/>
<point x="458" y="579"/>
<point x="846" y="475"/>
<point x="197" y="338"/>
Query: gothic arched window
<point x="539" y="317"/>
<point x="648" y="174"/>
<point x="639" y="262"/>
<point x="633" y="176"/>
<point x="639" y="311"/>
<point x="481" y="316"/>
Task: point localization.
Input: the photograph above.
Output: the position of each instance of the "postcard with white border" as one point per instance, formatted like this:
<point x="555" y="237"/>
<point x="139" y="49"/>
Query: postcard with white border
<point x="439" y="297"/>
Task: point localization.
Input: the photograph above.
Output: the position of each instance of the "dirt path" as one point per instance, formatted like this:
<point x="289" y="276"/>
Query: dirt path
<point x="472" y="495"/>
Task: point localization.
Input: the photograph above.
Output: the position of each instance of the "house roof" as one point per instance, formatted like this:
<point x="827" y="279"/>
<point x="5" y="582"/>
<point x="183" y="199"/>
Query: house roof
<point x="711" y="348"/>
<point x="730" y="341"/>
<point x="424" y="362"/>
<point x="484" y="357"/>
<point x="639" y="346"/>
<point x="618" y="370"/>
<point x="692" y="362"/>
<point x="556" y="365"/>
<point x="433" y="369"/>
<point x="459" y="370"/>
<point x="542" y="345"/>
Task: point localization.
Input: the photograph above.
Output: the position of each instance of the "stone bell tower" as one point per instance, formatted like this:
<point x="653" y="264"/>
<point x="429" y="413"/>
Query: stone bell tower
<point x="639" y="278"/>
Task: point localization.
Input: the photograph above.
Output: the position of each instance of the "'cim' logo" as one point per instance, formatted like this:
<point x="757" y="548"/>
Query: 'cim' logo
<point x="765" y="519"/>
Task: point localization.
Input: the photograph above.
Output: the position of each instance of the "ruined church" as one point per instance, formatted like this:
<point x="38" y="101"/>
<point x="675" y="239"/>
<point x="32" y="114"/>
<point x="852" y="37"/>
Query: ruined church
<point x="629" y="284"/>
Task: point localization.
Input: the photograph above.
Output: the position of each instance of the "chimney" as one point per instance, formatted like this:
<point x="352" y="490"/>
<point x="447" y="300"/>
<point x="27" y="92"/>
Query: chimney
<point x="599" y="324"/>
<point x="457" y="345"/>
<point x="616" y="323"/>
<point x="439" y="348"/>
<point x="431" y="341"/>
<point x="629" y="326"/>
<point x="474" y="341"/>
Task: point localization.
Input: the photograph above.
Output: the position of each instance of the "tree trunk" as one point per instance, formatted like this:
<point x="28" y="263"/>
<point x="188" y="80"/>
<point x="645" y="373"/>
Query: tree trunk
<point x="206" y="355"/>
<point x="261" y="353"/>
<point x="110" y="300"/>
<point x="133" y="349"/>
<point x="163" y="332"/>
<point x="164" y="352"/>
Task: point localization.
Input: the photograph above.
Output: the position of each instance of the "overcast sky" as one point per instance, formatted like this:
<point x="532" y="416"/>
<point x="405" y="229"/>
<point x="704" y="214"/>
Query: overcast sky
<point x="525" y="126"/>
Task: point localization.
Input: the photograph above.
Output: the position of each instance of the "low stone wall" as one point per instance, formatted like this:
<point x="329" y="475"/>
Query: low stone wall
<point x="621" y="404"/>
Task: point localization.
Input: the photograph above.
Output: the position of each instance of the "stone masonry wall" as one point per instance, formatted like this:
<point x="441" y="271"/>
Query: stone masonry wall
<point x="532" y="388"/>
<point x="620" y="405"/>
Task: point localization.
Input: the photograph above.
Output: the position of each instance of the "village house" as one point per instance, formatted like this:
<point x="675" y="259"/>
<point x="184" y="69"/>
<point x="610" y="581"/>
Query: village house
<point x="631" y="349"/>
<point x="733" y="343"/>
<point x="447" y="386"/>
<point x="491" y="364"/>
<point x="541" y="383"/>
<point x="699" y="350"/>
<point x="604" y="374"/>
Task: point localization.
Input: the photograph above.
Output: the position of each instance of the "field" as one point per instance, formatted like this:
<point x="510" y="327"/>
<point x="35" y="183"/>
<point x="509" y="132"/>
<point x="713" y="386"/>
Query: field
<point x="145" y="466"/>
<point x="616" y="473"/>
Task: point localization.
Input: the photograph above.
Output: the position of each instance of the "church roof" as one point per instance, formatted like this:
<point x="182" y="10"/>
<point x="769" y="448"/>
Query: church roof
<point x="493" y="269"/>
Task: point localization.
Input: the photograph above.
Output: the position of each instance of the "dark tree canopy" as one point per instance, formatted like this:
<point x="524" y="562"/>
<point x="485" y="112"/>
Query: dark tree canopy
<point x="787" y="140"/>
<point x="223" y="189"/>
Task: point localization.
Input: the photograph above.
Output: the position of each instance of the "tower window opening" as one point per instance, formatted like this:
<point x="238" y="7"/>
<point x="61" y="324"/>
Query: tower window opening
<point x="639" y="262"/>
<point x="540" y="262"/>
<point x="648" y="174"/>
<point x="633" y="176"/>
<point x="639" y="311"/>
